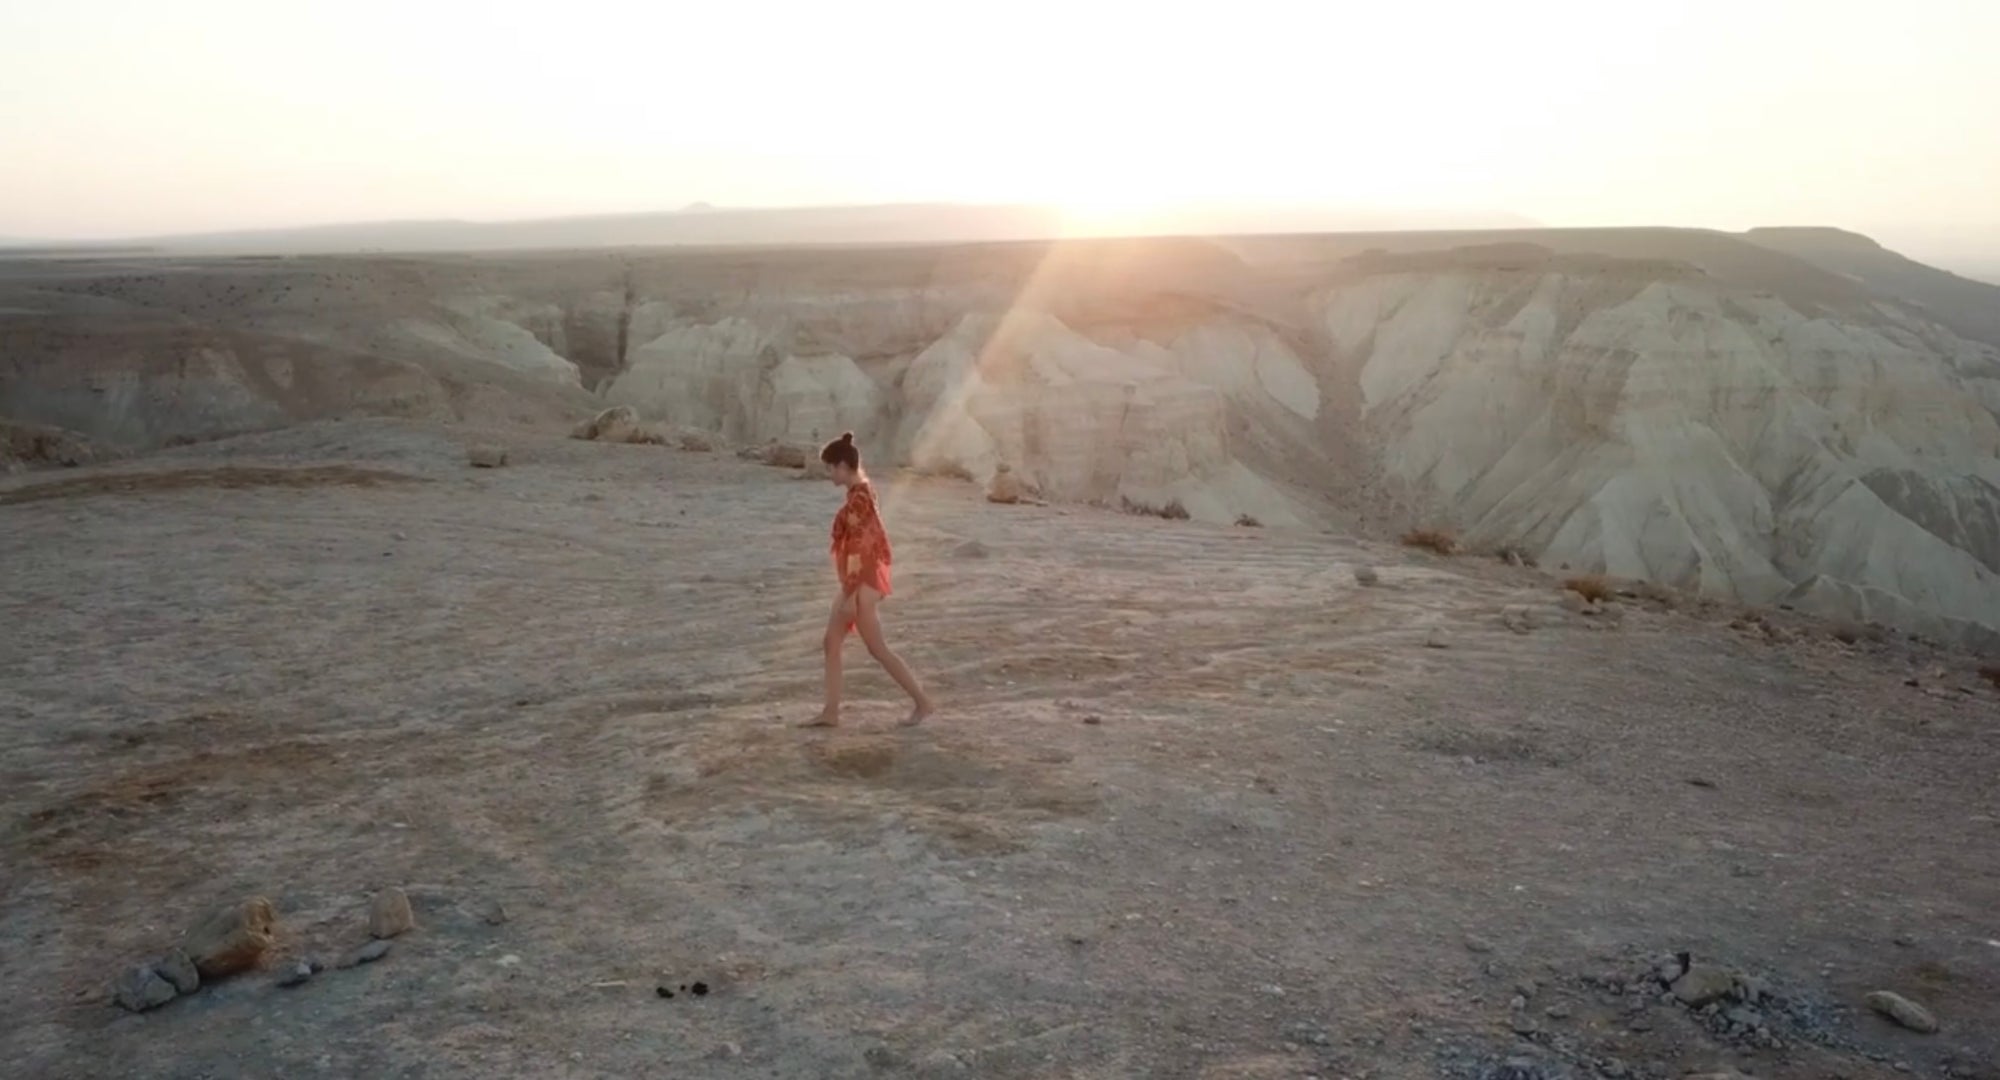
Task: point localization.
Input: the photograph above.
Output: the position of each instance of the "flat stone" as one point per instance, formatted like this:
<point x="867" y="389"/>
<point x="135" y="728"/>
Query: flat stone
<point x="366" y="954"/>
<point x="1702" y="985"/>
<point x="177" y="969"/>
<point x="296" y="975"/>
<point x="141" y="988"/>
<point x="1903" y="1011"/>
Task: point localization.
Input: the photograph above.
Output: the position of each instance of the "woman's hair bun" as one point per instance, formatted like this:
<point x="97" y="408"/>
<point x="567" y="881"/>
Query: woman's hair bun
<point x="847" y="437"/>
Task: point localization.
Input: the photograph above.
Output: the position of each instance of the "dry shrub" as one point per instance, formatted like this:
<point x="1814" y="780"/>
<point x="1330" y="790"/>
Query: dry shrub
<point x="1245" y="521"/>
<point x="1442" y="541"/>
<point x="1592" y="587"/>
<point x="1172" y="511"/>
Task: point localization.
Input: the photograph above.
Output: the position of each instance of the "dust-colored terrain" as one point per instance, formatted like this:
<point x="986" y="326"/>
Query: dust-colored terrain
<point x="1199" y="804"/>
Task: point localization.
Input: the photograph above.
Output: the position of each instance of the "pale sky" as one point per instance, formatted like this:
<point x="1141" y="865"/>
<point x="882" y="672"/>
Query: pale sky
<point x="121" y="118"/>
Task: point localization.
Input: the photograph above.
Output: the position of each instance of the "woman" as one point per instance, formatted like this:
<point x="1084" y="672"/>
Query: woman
<point x="861" y="560"/>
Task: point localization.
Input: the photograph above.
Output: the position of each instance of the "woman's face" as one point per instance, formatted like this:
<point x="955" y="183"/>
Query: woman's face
<point x="840" y="473"/>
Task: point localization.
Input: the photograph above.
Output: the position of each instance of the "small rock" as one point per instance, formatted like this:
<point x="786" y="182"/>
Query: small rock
<point x="1753" y="990"/>
<point x="232" y="938"/>
<point x="1906" y="941"/>
<point x="1477" y="944"/>
<point x="296" y="975"/>
<point x="1746" y="1018"/>
<point x="1005" y="487"/>
<point x="971" y="549"/>
<point x="1524" y="1026"/>
<point x="141" y="988"/>
<point x="1903" y="1011"/>
<point x="1518" y="1003"/>
<point x="1436" y="639"/>
<point x="1093" y="719"/>
<point x="486" y="457"/>
<point x="1557" y="1011"/>
<point x="1367" y="576"/>
<point x="177" y="969"/>
<point x="493" y="914"/>
<point x="1639" y="1024"/>
<point x="1574" y="603"/>
<point x="390" y="914"/>
<point x="1702" y="985"/>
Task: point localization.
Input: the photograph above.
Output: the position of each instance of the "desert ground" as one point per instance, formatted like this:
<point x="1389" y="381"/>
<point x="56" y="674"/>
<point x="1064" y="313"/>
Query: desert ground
<point x="1199" y="802"/>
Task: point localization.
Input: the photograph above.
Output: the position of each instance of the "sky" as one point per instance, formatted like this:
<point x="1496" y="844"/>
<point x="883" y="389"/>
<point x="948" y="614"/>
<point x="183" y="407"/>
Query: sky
<point x="122" y="118"/>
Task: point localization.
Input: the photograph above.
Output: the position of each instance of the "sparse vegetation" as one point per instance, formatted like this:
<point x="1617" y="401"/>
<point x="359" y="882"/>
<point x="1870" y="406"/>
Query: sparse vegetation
<point x="1441" y="541"/>
<point x="1172" y="511"/>
<point x="1595" y="588"/>
<point x="1245" y="521"/>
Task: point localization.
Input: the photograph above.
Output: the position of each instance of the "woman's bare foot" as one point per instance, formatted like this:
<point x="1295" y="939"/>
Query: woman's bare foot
<point x="826" y="718"/>
<point x="919" y="713"/>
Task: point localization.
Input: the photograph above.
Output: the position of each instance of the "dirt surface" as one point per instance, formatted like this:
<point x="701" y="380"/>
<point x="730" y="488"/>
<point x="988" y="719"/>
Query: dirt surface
<point x="1198" y="805"/>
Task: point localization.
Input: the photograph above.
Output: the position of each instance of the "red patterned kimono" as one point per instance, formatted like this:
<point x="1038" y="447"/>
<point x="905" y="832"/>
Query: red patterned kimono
<point x="861" y="544"/>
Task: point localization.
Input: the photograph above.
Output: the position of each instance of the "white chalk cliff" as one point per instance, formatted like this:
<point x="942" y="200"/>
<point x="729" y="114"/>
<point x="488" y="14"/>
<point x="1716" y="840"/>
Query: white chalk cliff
<point x="1810" y="422"/>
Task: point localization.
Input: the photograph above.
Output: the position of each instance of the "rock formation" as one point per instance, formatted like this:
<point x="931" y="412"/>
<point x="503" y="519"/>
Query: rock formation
<point x="1788" y="415"/>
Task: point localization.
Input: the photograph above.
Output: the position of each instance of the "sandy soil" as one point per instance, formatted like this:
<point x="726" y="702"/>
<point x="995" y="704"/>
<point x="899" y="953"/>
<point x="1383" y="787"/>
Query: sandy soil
<point x="1199" y="804"/>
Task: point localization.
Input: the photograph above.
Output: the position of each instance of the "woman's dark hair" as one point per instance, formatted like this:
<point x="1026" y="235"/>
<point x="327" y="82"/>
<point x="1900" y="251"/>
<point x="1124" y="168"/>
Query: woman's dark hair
<point x="842" y="451"/>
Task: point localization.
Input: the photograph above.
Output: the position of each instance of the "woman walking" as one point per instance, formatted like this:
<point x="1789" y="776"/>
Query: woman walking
<point x="861" y="561"/>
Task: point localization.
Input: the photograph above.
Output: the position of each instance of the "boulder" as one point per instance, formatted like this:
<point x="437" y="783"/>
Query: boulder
<point x="787" y="455"/>
<point x="619" y="424"/>
<point x="232" y="939"/>
<point x="1903" y="1011"/>
<point x="390" y="914"/>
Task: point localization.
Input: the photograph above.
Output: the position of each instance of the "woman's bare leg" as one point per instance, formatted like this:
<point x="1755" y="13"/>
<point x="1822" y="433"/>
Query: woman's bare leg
<point x="836" y="636"/>
<point x="870" y="625"/>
